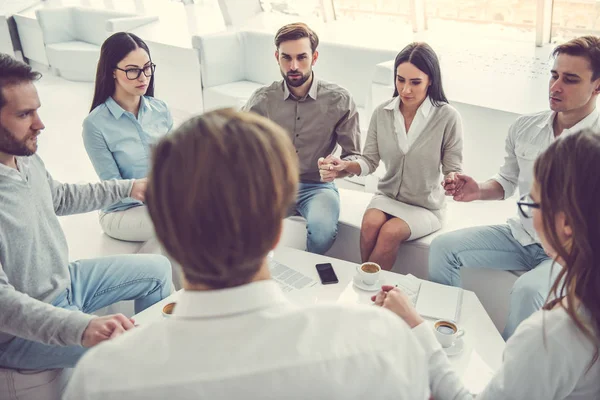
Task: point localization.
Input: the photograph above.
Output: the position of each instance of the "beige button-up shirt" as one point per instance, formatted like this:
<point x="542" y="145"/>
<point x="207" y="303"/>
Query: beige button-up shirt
<point x="316" y="123"/>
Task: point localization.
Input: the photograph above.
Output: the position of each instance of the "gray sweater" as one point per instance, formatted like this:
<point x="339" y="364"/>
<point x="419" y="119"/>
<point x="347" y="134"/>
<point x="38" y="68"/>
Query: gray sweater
<point x="33" y="250"/>
<point x="415" y="178"/>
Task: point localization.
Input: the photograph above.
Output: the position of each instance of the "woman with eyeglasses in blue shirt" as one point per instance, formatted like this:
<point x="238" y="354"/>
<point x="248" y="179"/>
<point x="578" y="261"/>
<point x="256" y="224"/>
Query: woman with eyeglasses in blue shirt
<point x="124" y="122"/>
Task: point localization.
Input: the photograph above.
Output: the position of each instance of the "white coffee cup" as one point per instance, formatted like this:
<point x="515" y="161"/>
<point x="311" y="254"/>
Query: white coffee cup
<point x="447" y="332"/>
<point x="368" y="273"/>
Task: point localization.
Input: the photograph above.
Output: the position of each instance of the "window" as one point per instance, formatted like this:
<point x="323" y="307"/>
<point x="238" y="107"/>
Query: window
<point x="572" y="18"/>
<point x="302" y="8"/>
<point x="395" y="11"/>
<point x="492" y="19"/>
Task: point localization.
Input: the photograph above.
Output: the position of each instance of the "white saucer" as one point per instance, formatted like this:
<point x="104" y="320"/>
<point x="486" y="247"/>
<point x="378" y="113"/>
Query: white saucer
<point x="369" y="288"/>
<point x="456" y="348"/>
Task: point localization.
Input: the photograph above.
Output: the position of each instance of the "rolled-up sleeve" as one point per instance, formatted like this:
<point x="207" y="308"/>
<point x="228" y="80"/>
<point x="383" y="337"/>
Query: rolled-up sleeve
<point x="508" y="176"/>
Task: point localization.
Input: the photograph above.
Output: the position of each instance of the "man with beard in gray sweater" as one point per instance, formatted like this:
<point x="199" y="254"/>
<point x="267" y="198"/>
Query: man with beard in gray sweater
<point x="45" y="301"/>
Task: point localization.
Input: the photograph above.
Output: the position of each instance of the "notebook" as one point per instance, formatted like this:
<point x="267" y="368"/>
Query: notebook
<point x="438" y="301"/>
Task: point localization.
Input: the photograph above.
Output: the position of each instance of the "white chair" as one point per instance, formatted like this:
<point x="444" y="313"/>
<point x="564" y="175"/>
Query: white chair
<point x="73" y="36"/>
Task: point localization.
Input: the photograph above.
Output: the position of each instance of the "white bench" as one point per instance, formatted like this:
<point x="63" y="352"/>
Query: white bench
<point x="491" y="286"/>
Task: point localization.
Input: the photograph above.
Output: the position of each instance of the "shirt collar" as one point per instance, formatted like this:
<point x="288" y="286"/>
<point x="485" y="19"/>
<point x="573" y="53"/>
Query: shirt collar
<point x="22" y="165"/>
<point x="424" y="108"/>
<point x="238" y="300"/>
<point x="114" y="108"/>
<point x="312" y="92"/>
<point x="585" y="123"/>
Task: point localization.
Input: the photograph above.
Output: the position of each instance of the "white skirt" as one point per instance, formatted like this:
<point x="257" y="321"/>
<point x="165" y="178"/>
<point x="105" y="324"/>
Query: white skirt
<point x="421" y="221"/>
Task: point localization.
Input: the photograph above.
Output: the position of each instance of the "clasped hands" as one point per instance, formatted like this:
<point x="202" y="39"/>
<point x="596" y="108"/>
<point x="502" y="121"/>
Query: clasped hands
<point x="331" y="168"/>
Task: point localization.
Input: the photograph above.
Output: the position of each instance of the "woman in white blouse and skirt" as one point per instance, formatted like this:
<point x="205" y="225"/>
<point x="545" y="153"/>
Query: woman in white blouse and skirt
<point x="418" y="136"/>
<point x="553" y="354"/>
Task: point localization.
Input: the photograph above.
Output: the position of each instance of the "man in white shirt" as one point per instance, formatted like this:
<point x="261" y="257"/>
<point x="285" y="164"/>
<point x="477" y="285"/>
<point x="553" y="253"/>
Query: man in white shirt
<point x="574" y="88"/>
<point x="233" y="333"/>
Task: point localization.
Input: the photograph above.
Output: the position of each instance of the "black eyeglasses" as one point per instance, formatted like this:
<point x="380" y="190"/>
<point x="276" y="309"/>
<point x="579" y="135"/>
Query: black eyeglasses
<point x="527" y="205"/>
<point x="134" y="73"/>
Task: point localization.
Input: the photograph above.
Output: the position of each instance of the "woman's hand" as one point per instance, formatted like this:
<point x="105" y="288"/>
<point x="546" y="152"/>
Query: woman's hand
<point x="397" y="301"/>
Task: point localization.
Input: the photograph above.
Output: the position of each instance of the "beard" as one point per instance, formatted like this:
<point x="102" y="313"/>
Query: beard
<point x="11" y="145"/>
<point x="296" y="82"/>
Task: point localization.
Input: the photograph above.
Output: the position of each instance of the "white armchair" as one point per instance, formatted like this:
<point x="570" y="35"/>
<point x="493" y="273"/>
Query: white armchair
<point x="73" y="36"/>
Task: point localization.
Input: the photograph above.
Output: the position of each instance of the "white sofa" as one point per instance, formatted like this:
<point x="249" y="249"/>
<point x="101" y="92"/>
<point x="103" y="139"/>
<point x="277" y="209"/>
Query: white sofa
<point x="73" y="36"/>
<point x="235" y="64"/>
<point x="492" y="287"/>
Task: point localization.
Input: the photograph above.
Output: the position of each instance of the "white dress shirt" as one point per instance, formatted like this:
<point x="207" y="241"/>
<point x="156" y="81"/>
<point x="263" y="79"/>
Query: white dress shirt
<point x="250" y="342"/>
<point x="546" y="359"/>
<point x="405" y="139"/>
<point x="529" y="136"/>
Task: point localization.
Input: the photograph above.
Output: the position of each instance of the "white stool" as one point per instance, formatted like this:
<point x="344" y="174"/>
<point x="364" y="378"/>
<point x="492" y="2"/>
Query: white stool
<point x="33" y="385"/>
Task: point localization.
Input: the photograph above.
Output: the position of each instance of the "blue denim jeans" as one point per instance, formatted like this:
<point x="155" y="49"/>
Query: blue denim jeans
<point x="495" y="247"/>
<point x="319" y="204"/>
<point x="95" y="283"/>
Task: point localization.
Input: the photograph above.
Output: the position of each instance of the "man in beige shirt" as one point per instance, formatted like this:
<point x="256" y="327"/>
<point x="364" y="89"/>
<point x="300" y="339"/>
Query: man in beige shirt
<point x="317" y="116"/>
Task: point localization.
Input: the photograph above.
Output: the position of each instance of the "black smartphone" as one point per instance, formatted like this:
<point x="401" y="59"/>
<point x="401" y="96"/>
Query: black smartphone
<point x="327" y="274"/>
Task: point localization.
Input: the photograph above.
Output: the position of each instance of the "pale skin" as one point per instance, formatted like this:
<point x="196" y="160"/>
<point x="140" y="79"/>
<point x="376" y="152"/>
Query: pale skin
<point x="572" y="95"/>
<point x="128" y="93"/>
<point x="20" y="119"/>
<point x="382" y="234"/>
<point x="395" y="300"/>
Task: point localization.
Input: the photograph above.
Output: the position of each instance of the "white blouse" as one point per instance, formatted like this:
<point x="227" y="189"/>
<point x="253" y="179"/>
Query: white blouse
<point x="405" y="139"/>
<point x="547" y="358"/>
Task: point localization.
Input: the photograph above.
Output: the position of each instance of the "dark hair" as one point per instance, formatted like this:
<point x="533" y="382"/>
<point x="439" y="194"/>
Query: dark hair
<point x="584" y="46"/>
<point x="113" y="50"/>
<point x="13" y="72"/>
<point x="567" y="175"/>
<point x="296" y="31"/>
<point x="220" y="228"/>
<point x="422" y="56"/>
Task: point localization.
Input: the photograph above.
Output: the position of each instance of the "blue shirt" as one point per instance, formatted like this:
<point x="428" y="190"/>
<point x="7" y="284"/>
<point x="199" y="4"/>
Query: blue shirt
<point x="120" y="145"/>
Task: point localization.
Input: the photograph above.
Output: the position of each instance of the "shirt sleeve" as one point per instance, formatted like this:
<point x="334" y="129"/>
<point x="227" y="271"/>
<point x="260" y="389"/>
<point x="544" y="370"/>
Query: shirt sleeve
<point x="508" y="176"/>
<point x="348" y="131"/>
<point x="100" y="155"/>
<point x="539" y="363"/>
<point x="452" y="153"/>
<point x="71" y="198"/>
<point x="369" y="160"/>
<point x="31" y="319"/>
<point x="256" y="104"/>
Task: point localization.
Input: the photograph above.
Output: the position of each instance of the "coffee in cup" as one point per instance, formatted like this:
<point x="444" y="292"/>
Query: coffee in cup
<point x="447" y="332"/>
<point x="368" y="273"/>
<point x="167" y="310"/>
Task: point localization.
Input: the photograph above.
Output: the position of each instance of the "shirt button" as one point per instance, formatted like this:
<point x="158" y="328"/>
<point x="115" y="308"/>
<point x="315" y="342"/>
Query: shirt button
<point x="297" y="134"/>
<point x="298" y="118"/>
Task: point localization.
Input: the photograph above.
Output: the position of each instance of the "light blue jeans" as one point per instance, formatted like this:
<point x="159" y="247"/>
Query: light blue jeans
<point x="319" y="204"/>
<point x="495" y="247"/>
<point x="95" y="283"/>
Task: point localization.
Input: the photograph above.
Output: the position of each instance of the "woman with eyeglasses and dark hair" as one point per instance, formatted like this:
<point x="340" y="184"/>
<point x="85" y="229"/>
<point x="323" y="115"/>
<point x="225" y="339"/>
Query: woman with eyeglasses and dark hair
<point x="418" y="136"/>
<point x="124" y="122"/>
<point x="554" y="354"/>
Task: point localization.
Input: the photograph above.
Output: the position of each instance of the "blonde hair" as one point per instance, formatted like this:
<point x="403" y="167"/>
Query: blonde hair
<point x="219" y="188"/>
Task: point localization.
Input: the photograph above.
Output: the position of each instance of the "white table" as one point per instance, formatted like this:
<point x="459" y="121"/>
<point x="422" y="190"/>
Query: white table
<point x="481" y="341"/>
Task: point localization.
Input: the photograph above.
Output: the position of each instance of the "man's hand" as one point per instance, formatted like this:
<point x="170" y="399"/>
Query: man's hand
<point x="397" y="301"/>
<point x="103" y="328"/>
<point x="138" y="191"/>
<point x="331" y="168"/>
<point x="461" y="187"/>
